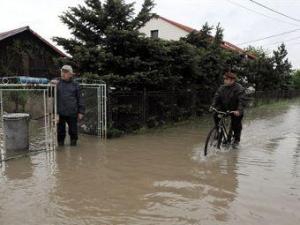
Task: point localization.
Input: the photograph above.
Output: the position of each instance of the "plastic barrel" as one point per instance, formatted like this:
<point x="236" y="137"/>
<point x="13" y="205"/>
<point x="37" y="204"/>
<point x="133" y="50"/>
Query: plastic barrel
<point x="16" y="131"/>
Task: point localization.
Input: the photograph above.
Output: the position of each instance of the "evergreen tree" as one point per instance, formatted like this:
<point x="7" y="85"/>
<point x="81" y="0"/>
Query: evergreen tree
<point x="296" y="79"/>
<point x="105" y="36"/>
<point x="282" y="67"/>
<point x="268" y="71"/>
<point x="106" y="41"/>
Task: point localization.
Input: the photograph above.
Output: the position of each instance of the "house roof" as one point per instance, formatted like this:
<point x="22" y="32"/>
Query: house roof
<point x="232" y="47"/>
<point x="225" y="45"/>
<point x="179" y="25"/>
<point x="14" y="32"/>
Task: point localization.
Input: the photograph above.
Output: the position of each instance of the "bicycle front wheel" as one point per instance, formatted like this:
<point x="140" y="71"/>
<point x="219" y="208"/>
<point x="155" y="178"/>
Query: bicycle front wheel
<point x="212" y="141"/>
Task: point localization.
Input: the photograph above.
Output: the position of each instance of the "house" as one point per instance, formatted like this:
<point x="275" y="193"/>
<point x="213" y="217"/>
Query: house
<point x="160" y="27"/>
<point x="23" y="52"/>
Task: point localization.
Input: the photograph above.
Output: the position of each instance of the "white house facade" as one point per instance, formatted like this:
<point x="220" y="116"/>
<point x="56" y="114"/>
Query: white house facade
<point x="159" y="27"/>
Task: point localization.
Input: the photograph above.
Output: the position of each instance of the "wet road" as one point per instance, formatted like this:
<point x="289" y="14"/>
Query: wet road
<point x="162" y="178"/>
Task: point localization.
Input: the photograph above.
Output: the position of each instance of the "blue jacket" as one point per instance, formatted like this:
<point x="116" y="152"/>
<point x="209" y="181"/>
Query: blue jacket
<point x="69" y="99"/>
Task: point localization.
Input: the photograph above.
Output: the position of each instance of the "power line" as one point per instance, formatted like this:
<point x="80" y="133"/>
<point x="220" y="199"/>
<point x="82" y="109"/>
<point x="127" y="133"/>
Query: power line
<point x="297" y="43"/>
<point x="287" y="45"/>
<point x="279" y="42"/>
<point x="259" y="13"/>
<point x="271" y="36"/>
<point x="273" y="10"/>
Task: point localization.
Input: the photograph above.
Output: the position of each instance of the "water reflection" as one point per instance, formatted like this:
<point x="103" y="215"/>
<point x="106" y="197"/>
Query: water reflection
<point x="19" y="169"/>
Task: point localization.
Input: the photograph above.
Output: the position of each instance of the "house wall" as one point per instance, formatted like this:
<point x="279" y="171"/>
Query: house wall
<point x="166" y="30"/>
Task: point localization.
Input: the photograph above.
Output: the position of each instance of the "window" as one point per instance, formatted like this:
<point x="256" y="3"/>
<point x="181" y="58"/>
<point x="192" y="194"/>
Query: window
<point x="154" y="33"/>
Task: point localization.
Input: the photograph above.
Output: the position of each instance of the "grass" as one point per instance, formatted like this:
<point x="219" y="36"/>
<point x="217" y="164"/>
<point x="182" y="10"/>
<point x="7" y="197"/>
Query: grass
<point x="273" y="104"/>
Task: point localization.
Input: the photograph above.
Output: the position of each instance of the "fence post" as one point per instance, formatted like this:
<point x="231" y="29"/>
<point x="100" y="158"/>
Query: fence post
<point x="145" y="105"/>
<point x="194" y="102"/>
<point x="109" y="107"/>
<point x="174" y="100"/>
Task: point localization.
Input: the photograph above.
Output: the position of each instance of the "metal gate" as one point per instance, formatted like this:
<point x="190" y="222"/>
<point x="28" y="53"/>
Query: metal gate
<point x="39" y="101"/>
<point x="95" y="119"/>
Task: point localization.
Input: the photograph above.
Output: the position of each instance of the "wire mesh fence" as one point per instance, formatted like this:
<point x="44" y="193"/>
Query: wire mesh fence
<point x="129" y="111"/>
<point x="89" y="124"/>
<point x="95" y="119"/>
<point x="126" y="110"/>
<point x="38" y="101"/>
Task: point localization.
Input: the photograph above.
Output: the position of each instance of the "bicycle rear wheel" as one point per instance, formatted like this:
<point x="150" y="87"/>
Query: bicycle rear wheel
<point x="212" y="141"/>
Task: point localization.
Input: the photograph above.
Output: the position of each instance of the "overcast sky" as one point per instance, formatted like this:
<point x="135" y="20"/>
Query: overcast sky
<point x="240" y="24"/>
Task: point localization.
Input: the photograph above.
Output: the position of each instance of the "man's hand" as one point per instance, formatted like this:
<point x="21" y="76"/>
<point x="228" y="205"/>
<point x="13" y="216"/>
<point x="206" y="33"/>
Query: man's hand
<point x="236" y="113"/>
<point x="80" y="116"/>
<point x="54" y="82"/>
<point x="57" y="119"/>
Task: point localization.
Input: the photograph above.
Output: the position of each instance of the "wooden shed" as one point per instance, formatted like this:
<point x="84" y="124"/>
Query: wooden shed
<point x="25" y="53"/>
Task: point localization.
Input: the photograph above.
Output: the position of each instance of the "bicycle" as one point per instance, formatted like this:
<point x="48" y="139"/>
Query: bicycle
<point x="218" y="137"/>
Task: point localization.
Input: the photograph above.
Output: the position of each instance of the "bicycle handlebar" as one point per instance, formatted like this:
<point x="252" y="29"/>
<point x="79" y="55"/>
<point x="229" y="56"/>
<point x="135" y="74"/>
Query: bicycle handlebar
<point x="220" y="112"/>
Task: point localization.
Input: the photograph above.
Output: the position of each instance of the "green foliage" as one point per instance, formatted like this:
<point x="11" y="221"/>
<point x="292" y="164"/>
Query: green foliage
<point x="114" y="132"/>
<point x="200" y="39"/>
<point x="90" y="76"/>
<point x="212" y="60"/>
<point x="296" y="79"/>
<point x="269" y="71"/>
<point x="259" y="52"/>
<point x="106" y="43"/>
<point x="105" y="37"/>
<point x="19" y="99"/>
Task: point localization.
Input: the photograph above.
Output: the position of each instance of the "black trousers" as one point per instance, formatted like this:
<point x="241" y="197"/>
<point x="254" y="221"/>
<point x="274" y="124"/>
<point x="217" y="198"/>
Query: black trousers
<point x="236" y="125"/>
<point x="61" y="128"/>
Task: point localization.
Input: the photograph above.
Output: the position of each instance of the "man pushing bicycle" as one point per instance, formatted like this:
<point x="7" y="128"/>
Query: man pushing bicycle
<point x="231" y="97"/>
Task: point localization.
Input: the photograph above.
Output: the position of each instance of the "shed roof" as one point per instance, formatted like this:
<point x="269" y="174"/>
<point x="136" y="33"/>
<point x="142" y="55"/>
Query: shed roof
<point x="11" y="33"/>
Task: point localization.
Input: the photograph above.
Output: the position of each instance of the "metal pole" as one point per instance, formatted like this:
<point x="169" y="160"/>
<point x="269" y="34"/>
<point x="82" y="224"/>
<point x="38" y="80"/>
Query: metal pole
<point x="102" y="113"/>
<point x="24" y="85"/>
<point x="51" y="113"/>
<point x="15" y="89"/>
<point x="98" y="113"/>
<point x="103" y="120"/>
<point x="105" y="112"/>
<point x="45" y="120"/>
<point x="99" y="132"/>
<point x="2" y="132"/>
<point x="101" y="103"/>
<point x="48" y="115"/>
<point x="55" y="116"/>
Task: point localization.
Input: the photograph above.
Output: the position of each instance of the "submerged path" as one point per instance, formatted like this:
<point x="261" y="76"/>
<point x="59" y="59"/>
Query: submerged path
<point x="162" y="178"/>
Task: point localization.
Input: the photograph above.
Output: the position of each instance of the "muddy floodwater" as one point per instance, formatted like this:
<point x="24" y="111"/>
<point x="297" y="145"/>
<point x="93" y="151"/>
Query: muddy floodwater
<point x="163" y="178"/>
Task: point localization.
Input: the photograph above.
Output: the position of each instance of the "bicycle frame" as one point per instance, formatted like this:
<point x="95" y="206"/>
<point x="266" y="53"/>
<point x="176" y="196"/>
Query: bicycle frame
<point x="222" y="128"/>
<point x="221" y="124"/>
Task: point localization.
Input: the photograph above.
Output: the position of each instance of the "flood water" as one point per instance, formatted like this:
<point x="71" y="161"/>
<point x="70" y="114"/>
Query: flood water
<point x="163" y="178"/>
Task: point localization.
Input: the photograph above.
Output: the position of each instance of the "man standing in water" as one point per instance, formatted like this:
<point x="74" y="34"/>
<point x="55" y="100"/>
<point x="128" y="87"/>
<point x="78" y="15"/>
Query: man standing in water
<point x="70" y="106"/>
<point x="231" y="97"/>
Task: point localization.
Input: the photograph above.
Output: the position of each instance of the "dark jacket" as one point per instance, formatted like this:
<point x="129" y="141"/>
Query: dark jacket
<point x="230" y="98"/>
<point x="69" y="99"/>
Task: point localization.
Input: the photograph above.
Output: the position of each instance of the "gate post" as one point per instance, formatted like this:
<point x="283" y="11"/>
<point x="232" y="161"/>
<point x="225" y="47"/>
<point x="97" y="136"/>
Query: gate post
<point x="145" y="106"/>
